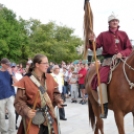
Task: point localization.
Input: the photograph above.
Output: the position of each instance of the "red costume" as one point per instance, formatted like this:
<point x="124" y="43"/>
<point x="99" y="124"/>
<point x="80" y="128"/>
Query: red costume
<point x="112" y="43"/>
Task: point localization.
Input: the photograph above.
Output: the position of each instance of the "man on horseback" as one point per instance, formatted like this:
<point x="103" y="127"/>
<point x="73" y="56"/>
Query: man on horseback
<point x="113" y="42"/>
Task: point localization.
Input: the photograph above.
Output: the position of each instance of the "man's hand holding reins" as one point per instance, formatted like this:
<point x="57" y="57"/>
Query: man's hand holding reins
<point x="119" y="56"/>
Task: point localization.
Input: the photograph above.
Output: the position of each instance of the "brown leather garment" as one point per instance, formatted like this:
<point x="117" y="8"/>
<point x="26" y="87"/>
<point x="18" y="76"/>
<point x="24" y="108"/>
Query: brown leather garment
<point x="26" y="93"/>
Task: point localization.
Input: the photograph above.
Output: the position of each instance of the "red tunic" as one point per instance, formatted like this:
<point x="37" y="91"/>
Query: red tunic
<point x="112" y="43"/>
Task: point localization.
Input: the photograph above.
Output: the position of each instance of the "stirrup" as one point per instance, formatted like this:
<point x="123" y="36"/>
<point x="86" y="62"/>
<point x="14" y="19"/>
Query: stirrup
<point x="103" y="116"/>
<point x="105" y="111"/>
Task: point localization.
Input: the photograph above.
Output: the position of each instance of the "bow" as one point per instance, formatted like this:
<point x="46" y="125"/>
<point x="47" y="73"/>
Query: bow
<point x="34" y="106"/>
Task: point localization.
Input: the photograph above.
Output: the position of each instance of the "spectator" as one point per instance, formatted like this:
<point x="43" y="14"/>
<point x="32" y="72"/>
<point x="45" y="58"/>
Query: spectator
<point x="74" y="86"/>
<point x="62" y="65"/>
<point x="59" y="79"/>
<point x="71" y="69"/>
<point x="77" y="68"/>
<point x="20" y="68"/>
<point x="81" y="76"/>
<point x="18" y="76"/>
<point x="28" y="64"/>
<point x="7" y="94"/>
<point x="51" y="63"/>
<point x="49" y="70"/>
<point x="66" y="77"/>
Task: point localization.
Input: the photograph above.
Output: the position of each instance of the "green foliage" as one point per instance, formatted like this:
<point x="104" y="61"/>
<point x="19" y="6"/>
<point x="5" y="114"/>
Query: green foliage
<point x="20" y="39"/>
<point x="3" y="48"/>
<point x="56" y="42"/>
<point x="12" y="35"/>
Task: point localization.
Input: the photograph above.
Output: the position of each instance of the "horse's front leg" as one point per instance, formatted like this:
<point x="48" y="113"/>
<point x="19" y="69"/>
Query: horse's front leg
<point x="119" y="118"/>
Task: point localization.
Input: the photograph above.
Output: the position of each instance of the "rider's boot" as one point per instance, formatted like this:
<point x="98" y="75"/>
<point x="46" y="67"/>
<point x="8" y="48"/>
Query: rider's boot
<point x="104" y="115"/>
<point x="104" y="98"/>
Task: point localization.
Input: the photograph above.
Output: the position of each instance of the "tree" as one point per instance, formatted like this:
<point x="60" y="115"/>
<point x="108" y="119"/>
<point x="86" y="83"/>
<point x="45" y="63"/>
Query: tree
<point x="12" y="35"/>
<point x="20" y="39"/>
<point x="3" y="48"/>
<point x="56" y="42"/>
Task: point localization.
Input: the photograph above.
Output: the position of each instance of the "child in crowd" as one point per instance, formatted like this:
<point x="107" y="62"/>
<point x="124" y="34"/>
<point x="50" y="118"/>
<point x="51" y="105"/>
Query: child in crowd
<point x="74" y="86"/>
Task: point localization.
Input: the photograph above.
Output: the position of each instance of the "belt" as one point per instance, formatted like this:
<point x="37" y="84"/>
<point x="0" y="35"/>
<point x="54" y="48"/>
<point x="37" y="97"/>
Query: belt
<point x="44" y="109"/>
<point x="107" y="56"/>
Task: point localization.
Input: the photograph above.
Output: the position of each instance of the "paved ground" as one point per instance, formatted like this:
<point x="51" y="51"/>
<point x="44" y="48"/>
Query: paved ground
<point x="77" y="121"/>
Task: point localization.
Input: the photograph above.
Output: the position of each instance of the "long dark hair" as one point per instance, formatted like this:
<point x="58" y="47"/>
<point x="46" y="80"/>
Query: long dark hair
<point x="37" y="59"/>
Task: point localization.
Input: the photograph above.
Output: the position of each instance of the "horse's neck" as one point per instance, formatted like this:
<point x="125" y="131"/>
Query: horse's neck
<point x="129" y="67"/>
<point x="130" y="60"/>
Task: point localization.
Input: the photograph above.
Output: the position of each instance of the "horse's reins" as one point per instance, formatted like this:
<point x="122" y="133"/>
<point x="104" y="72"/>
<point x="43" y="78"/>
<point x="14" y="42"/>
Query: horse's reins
<point x="124" y="71"/>
<point x="114" y="65"/>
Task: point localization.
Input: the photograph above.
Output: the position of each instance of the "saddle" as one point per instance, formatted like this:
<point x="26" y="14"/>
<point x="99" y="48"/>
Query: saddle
<point x="112" y="63"/>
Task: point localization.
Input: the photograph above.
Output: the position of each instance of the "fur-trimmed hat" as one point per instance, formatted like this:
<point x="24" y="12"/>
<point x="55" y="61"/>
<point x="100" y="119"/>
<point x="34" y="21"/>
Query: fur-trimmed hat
<point x="113" y="17"/>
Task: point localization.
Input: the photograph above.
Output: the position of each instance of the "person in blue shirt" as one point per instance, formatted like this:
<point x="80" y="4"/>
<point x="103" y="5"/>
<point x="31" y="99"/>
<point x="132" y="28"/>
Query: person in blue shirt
<point x="7" y="96"/>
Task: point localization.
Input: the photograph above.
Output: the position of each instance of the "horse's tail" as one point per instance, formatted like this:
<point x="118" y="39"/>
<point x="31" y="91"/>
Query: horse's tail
<point x="133" y="117"/>
<point x="91" y="114"/>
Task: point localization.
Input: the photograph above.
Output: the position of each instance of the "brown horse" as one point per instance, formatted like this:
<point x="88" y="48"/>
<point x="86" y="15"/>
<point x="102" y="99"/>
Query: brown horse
<point x="120" y="96"/>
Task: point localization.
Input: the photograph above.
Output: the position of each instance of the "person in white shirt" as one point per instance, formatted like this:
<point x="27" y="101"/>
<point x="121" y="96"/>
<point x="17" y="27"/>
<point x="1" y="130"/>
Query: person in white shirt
<point x="16" y="73"/>
<point x="59" y="79"/>
<point x="18" y="76"/>
<point x="74" y="86"/>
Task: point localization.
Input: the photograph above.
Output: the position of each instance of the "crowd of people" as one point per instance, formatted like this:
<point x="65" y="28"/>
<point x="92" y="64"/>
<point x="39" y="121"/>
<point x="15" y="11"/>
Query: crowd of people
<point x="72" y="79"/>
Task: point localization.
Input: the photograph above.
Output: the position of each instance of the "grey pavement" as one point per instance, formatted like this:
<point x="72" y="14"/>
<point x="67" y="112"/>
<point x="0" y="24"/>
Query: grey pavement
<point x="77" y="121"/>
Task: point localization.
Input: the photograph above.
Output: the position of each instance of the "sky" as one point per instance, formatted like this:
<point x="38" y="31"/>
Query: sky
<point x="70" y="13"/>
